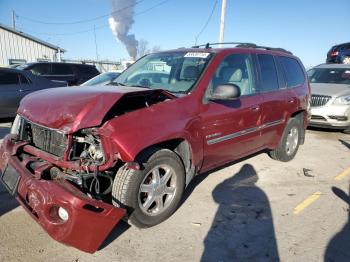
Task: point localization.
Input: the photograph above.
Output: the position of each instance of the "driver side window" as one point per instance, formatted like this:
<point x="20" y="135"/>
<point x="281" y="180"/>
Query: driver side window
<point x="235" y="69"/>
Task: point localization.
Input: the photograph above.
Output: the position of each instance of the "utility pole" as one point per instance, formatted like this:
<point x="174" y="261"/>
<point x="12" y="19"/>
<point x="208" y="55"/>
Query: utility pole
<point x="95" y="43"/>
<point x="13" y="20"/>
<point x="222" y="22"/>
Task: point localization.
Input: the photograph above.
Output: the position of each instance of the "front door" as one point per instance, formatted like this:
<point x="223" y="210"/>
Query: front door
<point x="231" y="127"/>
<point x="9" y="93"/>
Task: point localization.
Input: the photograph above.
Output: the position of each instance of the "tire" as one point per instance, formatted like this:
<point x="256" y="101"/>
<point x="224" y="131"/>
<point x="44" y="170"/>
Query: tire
<point x="161" y="181"/>
<point x="289" y="143"/>
<point x="346" y="60"/>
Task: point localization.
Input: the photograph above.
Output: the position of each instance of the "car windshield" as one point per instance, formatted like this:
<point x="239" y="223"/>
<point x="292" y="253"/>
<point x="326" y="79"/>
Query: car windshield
<point x="329" y="75"/>
<point x="101" y="79"/>
<point x="23" y="66"/>
<point x="176" y="72"/>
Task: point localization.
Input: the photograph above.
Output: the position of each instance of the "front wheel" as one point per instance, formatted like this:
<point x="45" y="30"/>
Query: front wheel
<point x="153" y="194"/>
<point x="289" y="143"/>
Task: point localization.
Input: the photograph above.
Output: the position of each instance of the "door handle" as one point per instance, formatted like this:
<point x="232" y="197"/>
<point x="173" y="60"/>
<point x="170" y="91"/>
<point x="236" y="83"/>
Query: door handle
<point x="291" y="100"/>
<point x="23" y="90"/>
<point x="255" y="108"/>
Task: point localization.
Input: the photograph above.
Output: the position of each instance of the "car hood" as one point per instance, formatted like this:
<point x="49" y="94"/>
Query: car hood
<point x="329" y="89"/>
<point x="69" y="109"/>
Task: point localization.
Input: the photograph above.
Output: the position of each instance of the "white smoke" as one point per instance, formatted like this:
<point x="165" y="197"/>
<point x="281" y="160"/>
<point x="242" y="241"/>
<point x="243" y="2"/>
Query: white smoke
<point x="120" y="23"/>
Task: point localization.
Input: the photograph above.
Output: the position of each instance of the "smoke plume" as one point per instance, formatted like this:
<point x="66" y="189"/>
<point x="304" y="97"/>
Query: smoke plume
<point x="120" y="23"/>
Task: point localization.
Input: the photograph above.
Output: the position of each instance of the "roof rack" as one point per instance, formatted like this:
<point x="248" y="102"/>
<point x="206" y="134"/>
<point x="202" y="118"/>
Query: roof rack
<point x="244" y="45"/>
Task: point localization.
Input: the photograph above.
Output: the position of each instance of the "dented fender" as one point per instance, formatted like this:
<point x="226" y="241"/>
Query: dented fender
<point x="150" y="126"/>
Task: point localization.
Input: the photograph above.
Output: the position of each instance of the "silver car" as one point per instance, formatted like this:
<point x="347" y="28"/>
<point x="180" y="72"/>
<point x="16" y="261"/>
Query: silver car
<point x="330" y="96"/>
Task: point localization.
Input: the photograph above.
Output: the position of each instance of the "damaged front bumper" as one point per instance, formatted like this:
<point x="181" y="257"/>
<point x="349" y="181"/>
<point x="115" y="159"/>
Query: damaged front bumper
<point x="86" y="223"/>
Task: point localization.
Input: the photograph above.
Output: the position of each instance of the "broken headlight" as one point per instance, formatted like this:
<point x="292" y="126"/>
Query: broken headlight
<point x="16" y="125"/>
<point x="87" y="148"/>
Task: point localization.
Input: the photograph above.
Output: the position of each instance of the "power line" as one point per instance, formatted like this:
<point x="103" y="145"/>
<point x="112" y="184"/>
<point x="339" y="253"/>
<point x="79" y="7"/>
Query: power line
<point x="80" y="21"/>
<point x="63" y="34"/>
<point x="207" y="22"/>
<point x="96" y="28"/>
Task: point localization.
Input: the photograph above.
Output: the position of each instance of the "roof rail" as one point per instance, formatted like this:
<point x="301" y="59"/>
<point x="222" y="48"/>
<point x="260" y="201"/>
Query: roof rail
<point x="244" y="45"/>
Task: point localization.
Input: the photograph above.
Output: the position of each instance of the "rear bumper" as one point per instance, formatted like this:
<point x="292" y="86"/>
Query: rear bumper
<point x="90" y="221"/>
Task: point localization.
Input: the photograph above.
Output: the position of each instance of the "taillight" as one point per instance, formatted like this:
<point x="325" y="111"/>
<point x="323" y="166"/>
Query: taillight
<point x="334" y="53"/>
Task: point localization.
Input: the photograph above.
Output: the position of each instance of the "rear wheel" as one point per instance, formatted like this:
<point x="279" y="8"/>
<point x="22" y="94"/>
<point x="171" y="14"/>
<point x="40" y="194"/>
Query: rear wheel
<point x="289" y="143"/>
<point x="150" y="195"/>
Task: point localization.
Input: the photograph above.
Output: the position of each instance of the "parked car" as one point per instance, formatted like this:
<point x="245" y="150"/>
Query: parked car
<point x="147" y="78"/>
<point x="80" y="159"/>
<point x="339" y="54"/>
<point x="102" y="79"/>
<point x="74" y="74"/>
<point x="330" y="99"/>
<point x="15" y="84"/>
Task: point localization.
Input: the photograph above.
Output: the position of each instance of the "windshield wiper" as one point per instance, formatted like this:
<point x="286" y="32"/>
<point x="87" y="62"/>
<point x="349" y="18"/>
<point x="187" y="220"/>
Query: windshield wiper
<point x="116" y="84"/>
<point x="148" y="87"/>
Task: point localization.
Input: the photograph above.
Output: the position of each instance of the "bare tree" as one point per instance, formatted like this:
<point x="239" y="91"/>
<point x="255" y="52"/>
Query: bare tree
<point x="156" y="48"/>
<point x="142" y="48"/>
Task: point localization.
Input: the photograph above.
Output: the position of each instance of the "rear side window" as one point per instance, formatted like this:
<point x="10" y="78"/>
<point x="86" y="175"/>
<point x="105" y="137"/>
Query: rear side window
<point x="269" y="80"/>
<point x="61" y="69"/>
<point x="343" y="47"/>
<point x="9" y="78"/>
<point x="41" y="69"/>
<point x="87" y="70"/>
<point x="293" y="71"/>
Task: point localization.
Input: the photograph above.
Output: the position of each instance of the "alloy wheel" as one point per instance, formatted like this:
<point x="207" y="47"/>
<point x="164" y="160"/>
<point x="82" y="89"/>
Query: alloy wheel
<point x="157" y="190"/>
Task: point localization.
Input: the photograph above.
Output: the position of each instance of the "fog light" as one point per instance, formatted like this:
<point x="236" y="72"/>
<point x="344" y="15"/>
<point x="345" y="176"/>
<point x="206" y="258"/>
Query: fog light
<point x="339" y="118"/>
<point x="63" y="214"/>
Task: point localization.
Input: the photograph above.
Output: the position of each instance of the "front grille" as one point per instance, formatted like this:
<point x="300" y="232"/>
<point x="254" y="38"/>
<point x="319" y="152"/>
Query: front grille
<point x="46" y="139"/>
<point x="319" y="100"/>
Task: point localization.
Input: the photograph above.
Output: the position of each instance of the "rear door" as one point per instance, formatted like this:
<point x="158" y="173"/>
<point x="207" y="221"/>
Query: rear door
<point x="230" y="127"/>
<point x="9" y="93"/>
<point x="274" y="107"/>
<point x="297" y="90"/>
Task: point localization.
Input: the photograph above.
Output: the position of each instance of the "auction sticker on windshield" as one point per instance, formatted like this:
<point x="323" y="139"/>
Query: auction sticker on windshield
<point x="197" y="55"/>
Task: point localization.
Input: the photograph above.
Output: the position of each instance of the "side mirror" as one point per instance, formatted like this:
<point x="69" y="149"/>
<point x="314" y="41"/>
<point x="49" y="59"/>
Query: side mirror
<point x="225" y="92"/>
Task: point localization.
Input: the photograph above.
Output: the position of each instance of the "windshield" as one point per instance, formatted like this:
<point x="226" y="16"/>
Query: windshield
<point x="176" y="72"/>
<point x="23" y="66"/>
<point x="329" y="75"/>
<point x="101" y="79"/>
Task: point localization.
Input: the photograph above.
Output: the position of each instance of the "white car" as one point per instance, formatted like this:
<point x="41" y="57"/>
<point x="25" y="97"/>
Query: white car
<point x="102" y="79"/>
<point x="330" y="96"/>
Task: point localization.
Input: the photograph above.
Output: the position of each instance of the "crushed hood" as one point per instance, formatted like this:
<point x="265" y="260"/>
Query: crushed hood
<point x="72" y="108"/>
<point x="329" y="89"/>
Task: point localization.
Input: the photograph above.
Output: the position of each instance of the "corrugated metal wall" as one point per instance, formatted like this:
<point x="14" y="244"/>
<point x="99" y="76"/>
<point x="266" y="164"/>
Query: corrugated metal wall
<point x="13" y="46"/>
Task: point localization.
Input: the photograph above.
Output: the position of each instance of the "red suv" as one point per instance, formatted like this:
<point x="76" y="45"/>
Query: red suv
<point x="80" y="159"/>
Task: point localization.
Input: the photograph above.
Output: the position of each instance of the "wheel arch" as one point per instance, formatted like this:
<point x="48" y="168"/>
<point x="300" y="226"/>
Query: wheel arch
<point x="301" y="115"/>
<point x="178" y="145"/>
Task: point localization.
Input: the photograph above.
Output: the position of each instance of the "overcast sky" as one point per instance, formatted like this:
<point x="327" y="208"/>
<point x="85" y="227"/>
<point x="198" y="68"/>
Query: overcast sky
<point x="308" y="28"/>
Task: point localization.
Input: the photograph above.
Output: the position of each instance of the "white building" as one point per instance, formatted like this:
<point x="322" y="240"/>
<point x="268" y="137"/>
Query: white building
<point x="17" y="48"/>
